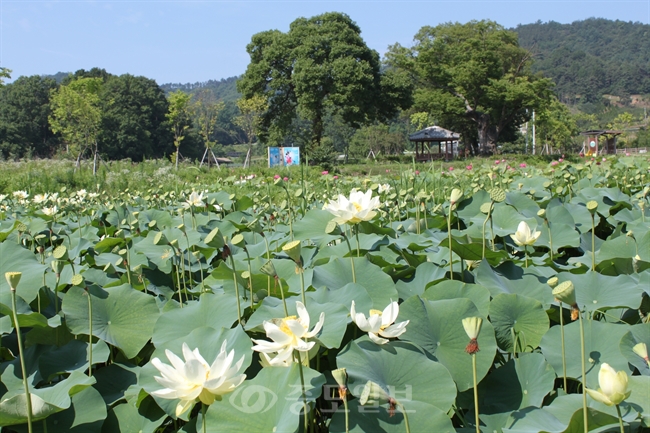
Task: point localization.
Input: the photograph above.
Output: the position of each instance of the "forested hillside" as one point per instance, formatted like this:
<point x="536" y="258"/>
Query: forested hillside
<point x="224" y="89"/>
<point x="590" y="58"/>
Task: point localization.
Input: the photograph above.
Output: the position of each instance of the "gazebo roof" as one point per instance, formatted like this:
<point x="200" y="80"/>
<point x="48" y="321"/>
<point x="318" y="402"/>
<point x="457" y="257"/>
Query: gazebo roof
<point x="434" y="133"/>
<point x="598" y="132"/>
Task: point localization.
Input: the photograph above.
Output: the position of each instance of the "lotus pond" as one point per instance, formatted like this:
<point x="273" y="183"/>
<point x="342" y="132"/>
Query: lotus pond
<point x="485" y="298"/>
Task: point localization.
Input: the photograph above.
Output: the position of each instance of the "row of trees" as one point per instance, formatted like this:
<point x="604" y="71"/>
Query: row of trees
<point x="318" y="86"/>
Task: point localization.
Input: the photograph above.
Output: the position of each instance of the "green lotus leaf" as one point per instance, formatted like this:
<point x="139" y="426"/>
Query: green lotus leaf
<point x="509" y="278"/>
<point x="425" y="275"/>
<point x="637" y="334"/>
<point x="121" y="315"/>
<point x="344" y="296"/>
<point x="401" y="369"/>
<point x="338" y="273"/>
<point x="639" y="398"/>
<point x="113" y="380"/>
<point x="45" y="401"/>
<point x="423" y="417"/>
<point x="521" y="382"/>
<point x="127" y="418"/>
<point x="562" y="235"/>
<point x="452" y="289"/>
<point x="474" y="251"/>
<point x="436" y="326"/>
<point x="272" y="401"/>
<point x="70" y="357"/>
<point x="518" y="318"/>
<point x="213" y="310"/>
<point x="601" y="346"/>
<point x="312" y="227"/>
<point x="14" y="258"/>
<point x="595" y="291"/>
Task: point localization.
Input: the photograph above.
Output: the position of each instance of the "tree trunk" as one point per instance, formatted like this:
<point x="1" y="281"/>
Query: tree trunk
<point x="487" y="136"/>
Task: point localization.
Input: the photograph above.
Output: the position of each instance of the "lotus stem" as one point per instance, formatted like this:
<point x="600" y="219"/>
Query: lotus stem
<point x="474" y="376"/>
<point x="356" y="233"/>
<point x="234" y="277"/>
<point x="593" y="243"/>
<point x="451" y="253"/>
<point x="301" y="270"/>
<point x="21" y="354"/>
<point x="302" y="387"/>
<point x="90" y="334"/>
<point x="620" y="418"/>
<point x="406" y="417"/>
<point x="284" y="302"/>
<point x="203" y="418"/>
<point x="563" y="353"/>
<point x="268" y="257"/>
<point x="250" y="277"/>
<point x="584" y="376"/>
<point x="354" y="275"/>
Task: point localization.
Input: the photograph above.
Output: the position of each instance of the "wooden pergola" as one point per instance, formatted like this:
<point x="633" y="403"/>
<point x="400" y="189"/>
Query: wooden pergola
<point x="592" y="138"/>
<point x="434" y="134"/>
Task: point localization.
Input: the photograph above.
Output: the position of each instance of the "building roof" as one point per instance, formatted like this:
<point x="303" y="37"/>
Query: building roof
<point x="601" y="132"/>
<point x="434" y="133"/>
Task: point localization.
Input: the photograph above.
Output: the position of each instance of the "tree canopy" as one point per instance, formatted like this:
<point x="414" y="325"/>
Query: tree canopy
<point x="320" y="67"/>
<point x="474" y="73"/>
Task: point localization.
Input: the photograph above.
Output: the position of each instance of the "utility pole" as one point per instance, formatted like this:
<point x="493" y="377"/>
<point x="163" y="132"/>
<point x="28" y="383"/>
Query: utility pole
<point x="533" y="132"/>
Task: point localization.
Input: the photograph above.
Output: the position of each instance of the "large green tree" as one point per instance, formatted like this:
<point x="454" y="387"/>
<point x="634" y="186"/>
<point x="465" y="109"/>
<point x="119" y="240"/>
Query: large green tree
<point x="133" y="119"/>
<point x="76" y="115"/>
<point x="24" y="111"/>
<point x="179" y="119"/>
<point x="320" y="67"/>
<point x="474" y="73"/>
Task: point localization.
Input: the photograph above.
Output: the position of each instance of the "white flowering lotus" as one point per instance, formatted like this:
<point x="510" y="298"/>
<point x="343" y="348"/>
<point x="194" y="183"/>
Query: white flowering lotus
<point x="613" y="386"/>
<point x="359" y="207"/>
<point x="288" y="334"/>
<point x="383" y="188"/>
<point x="20" y="195"/>
<point x="524" y="236"/>
<point x="194" y="200"/>
<point x="380" y="323"/>
<point x="50" y="211"/>
<point x="40" y="198"/>
<point x="195" y="378"/>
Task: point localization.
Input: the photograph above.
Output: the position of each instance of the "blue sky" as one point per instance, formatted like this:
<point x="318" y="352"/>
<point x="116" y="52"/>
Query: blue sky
<point x="189" y="41"/>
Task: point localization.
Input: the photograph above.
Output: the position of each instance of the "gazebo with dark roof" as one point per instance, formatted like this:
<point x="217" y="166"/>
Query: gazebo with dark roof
<point x="434" y="134"/>
<point x="592" y="138"/>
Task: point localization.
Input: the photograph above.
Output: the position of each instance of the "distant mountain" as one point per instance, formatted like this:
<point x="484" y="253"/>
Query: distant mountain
<point x="58" y="77"/>
<point x="224" y="89"/>
<point x="590" y="58"/>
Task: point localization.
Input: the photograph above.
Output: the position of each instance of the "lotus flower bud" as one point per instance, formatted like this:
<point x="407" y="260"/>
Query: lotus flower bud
<point x="456" y="194"/>
<point x="642" y="350"/>
<point x="373" y="393"/>
<point x="472" y="326"/>
<point x="565" y="292"/>
<point x="13" y="278"/>
<point x="341" y="377"/>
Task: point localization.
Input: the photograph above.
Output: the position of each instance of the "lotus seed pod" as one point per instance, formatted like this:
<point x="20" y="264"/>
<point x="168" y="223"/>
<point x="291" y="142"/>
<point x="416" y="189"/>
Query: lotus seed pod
<point x="214" y="238"/>
<point x="122" y="253"/>
<point x="152" y="224"/>
<point x="565" y="292"/>
<point x="13" y="278"/>
<point x="373" y="393"/>
<point x="293" y="249"/>
<point x="21" y="227"/>
<point x="238" y="240"/>
<point x="77" y="280"/>
<point x="552" y="282"/>
<point x="592" y="205"/>
<point x="60" y="253"/>
<point x="497" y="195"/>
<point x="541" y="213"/>
<point x="160" y="239"/>
<point x="332" y="228"/>
<point x="485" y="208"/>
<point x="57" y="266"/>
<point x="268" y="269"/>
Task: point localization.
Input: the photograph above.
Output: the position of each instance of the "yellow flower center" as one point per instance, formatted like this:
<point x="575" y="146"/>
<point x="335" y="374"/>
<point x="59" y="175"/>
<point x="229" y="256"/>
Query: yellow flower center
<point x="378" y="313"/>
<point x="357" y="206"/>
<point x="284" y="327"/>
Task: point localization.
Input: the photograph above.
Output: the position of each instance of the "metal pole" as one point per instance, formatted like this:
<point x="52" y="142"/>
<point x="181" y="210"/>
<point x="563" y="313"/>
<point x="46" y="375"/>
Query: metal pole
<point x="533" y="132"/>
